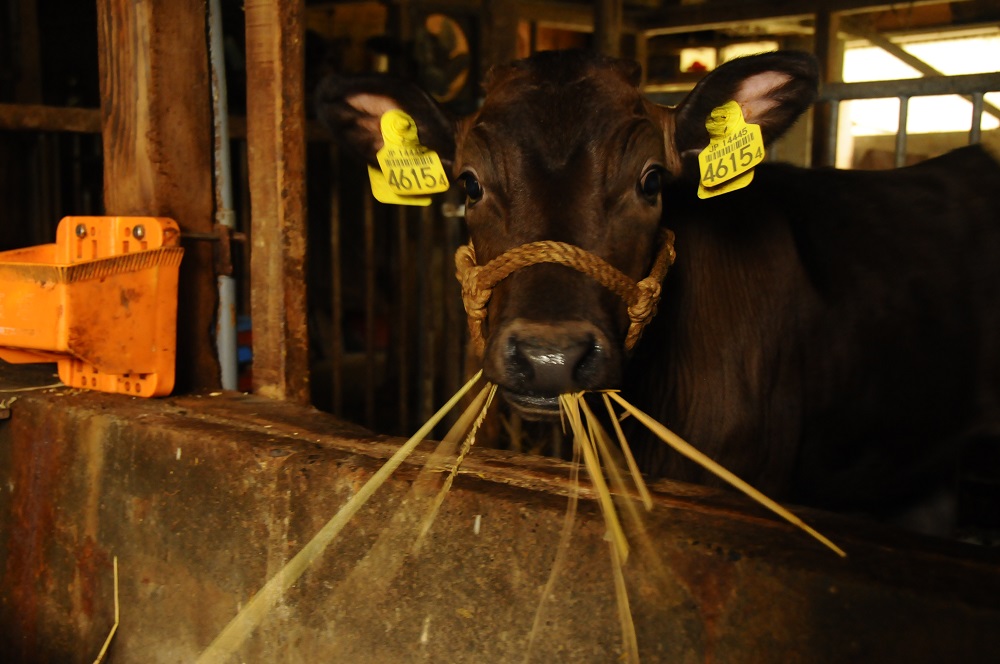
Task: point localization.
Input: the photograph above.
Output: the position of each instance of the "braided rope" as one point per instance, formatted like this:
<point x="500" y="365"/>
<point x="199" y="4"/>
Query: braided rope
<point x="641" y="298"/>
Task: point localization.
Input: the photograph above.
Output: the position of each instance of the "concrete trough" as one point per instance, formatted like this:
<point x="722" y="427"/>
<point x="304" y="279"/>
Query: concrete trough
<point x="204" y="498"/>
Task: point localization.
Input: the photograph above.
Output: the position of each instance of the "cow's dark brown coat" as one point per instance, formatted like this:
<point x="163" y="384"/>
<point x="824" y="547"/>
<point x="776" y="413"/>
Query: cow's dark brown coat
<point x="830" y="336"/>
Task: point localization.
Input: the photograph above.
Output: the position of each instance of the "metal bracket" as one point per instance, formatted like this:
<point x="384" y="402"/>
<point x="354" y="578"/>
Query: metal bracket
<point x="224" y="235"/>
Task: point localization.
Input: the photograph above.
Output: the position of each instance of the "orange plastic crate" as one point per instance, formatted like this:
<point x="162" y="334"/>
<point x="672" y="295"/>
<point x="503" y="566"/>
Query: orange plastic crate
<point x="101" y="301"/>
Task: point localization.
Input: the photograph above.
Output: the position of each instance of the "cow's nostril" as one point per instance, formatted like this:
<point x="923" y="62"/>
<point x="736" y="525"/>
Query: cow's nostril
<point x="555" y="364"/>
<point x="589" y="369"/>
<point x="517" y="365"/>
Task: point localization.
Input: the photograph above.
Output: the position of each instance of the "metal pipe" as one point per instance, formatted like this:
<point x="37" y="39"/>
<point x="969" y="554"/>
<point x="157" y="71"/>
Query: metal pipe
<point x="369" y="311"/>
<point x="403" y="333"/>
<point x="904" y="106"/>
<point x="966" y="84"/>
<point x="831" y="135"/>
<point x="225" y="328"/>
<point x="337" y="316"/>
<point x="975" y="130"/>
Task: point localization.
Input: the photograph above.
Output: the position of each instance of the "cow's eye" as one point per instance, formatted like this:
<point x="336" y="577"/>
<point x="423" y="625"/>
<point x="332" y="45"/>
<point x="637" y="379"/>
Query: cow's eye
<point x="651" y="184"/>
<point x="473" y="189"/>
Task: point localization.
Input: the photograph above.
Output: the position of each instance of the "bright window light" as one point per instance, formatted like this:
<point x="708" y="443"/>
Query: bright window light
<point x="727" y="53"/>
<point x="925" y="115"/>
<point x="697" y="59"/>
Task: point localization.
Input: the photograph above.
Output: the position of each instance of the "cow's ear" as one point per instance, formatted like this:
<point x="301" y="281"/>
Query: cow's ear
<point x="352" y="108"/>
<point x="773" y="90"/>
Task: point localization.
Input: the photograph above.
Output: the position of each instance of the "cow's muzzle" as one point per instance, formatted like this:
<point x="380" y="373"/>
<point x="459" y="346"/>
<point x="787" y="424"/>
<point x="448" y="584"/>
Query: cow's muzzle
<point x="641" y="298"/>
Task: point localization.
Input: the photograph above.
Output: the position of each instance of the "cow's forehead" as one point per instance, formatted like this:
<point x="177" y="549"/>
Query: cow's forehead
<point x="555" y="108"/>
<point x="559" y="86"/>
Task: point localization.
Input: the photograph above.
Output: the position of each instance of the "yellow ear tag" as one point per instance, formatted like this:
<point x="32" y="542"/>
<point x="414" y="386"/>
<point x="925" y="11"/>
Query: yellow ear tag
<point x="410" y="171"/>
<point x="734" y="149"/>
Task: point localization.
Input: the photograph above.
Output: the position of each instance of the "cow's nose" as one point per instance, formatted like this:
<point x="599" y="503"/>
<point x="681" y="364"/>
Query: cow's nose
<point x="547" y="359"/>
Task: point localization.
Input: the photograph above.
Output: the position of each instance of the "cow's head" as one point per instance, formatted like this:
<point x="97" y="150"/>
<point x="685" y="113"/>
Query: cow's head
<point x="565" y="148"/>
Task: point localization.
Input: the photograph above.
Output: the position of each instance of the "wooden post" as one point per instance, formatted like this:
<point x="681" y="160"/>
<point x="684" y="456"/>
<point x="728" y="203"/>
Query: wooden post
<point x="498" y="26"/>
<point x="608" y="15"/>
<point x="276" y="141"/>
<point x="157" y="135"/>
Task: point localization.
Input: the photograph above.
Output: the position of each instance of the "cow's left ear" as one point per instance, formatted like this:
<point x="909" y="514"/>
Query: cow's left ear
<point x="352" y="108"/>
<point x="773" y="90"/>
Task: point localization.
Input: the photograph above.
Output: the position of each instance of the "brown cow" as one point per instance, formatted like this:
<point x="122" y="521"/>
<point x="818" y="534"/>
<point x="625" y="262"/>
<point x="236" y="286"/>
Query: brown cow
<point x="831" y="336"/>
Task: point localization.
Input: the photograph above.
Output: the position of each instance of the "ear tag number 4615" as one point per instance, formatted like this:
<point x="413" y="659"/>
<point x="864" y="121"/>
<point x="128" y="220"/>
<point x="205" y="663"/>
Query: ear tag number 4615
<point x="734" y="149"/>
<point x="409" y="171"/>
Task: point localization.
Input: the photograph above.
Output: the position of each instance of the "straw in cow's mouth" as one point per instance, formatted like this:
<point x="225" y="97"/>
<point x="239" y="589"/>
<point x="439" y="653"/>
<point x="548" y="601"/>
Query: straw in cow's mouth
<point x="591" y="443"/>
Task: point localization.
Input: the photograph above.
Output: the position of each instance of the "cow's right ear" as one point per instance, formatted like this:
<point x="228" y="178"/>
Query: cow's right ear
<point x="773" y="89"/>
<point x="352" y="108"/>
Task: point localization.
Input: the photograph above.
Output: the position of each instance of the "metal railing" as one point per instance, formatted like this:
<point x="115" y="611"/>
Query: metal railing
<point x="970" y="85"/>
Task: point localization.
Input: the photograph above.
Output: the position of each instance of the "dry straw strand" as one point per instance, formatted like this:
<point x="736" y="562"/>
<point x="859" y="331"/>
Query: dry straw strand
<point x="244" y="622"/>
<point x="562" y="549"/>
<point x="688" y="450"/>
<point x="630" y="642"/>
<point x="640" y="483"/>
<point x="114" y="627"/>
<point x="584" y="439"/>
<point x="481" y="405"/>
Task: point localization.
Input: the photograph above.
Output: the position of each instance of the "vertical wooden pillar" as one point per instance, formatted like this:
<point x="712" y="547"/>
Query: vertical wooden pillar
<point x="157" y="135"/>
<point x="28" y="83"/>
<point x="642" y="56"/>
<point x="608" y="26"/>
<point x="498" y="26"/>
<point x="276" y="142"/>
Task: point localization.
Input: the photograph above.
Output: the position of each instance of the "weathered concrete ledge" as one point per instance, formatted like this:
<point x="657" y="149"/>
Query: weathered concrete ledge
<point x="203" y="499"/>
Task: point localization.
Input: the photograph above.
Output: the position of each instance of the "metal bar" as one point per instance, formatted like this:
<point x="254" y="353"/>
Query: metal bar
<point x="912" y="87"/>
<point x="454" y="326"/>
<point x="898" y="52"/>
<point x="369" y="249"/>
<point x="832" y="132"/>
<point x="337" y="314"/>
<point x="975" y="130"/>
<point x="76" y="174"/>
<point x="826" y="48"/>
<point x="225" y="324"/>
<point x="904" y="105"/>
<point x="424" y="316"/>
<point x="402" y="325"/>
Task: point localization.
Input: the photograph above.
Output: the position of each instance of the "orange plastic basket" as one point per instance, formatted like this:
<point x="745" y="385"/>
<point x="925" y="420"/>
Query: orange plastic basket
<point x="101" y="301"/>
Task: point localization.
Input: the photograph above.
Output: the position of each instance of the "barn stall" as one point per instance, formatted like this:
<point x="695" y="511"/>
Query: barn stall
<point x="205" y="497"/>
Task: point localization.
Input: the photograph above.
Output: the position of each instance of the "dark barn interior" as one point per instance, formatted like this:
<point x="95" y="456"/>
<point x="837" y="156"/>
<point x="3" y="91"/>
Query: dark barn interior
<point x="340" y="330"/>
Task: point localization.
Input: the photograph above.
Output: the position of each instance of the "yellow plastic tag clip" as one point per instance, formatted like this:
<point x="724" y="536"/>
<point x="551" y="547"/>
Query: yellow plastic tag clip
<point x="734" y="149"/>
<point x="409" y="171"/>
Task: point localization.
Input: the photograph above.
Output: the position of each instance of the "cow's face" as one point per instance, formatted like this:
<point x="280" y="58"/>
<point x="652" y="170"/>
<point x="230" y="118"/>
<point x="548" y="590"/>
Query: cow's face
<point x="565" y="148"/>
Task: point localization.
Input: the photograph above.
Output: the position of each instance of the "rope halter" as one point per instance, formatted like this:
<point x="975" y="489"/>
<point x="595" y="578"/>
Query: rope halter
<point x="641" y="298"/>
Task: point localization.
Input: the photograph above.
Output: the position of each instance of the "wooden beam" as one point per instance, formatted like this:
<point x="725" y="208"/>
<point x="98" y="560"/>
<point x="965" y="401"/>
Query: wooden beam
<point x="276" y="146"/>
<point x="157" y="136"/>
<point x="35" y="117"/>
<point x="674" y="19"/>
